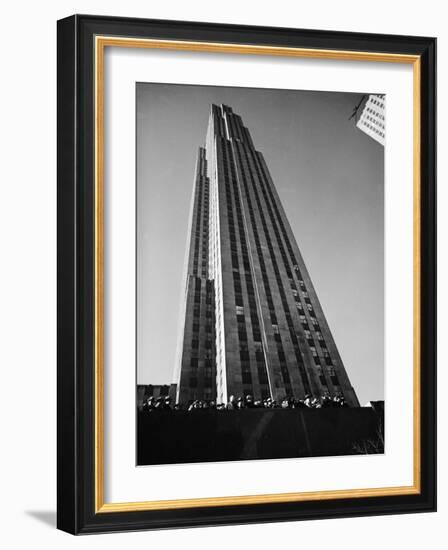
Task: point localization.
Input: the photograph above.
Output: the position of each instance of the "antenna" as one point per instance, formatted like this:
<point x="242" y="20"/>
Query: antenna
<point x="356" y="109"/>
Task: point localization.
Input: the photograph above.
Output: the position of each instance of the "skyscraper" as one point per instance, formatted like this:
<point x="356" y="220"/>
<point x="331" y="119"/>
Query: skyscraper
<point x="252" y="322"/>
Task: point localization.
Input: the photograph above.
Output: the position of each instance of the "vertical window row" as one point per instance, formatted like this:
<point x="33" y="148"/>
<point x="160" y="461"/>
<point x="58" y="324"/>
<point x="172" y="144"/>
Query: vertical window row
<point x="197" y="227"/>
<point x="234" y="210"/>
<point x="202" y="340"/>
<point x="209" y="374"/>
<point x="201" y="227"/>
<point x="283" y="366"/>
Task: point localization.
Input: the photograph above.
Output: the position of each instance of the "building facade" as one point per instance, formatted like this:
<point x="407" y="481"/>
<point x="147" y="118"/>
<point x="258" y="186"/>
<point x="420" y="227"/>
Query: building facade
<point x="372" y="120"/>
<point x="251" y="319"/>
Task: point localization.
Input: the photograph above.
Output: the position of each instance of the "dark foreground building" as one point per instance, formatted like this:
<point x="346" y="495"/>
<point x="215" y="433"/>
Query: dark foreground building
<point x="252" y="321"/>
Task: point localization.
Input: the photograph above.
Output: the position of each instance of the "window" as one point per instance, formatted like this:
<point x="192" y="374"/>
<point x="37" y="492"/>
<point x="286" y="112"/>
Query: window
<point x="195" y="327"/>
<point x="239" y="310"/>
<point x="194" y="362"/>
<point x="247" y="378"/>
<point x="195" y="343"/>
<point x="193" y="382"/>
<point x="285" y="376"/>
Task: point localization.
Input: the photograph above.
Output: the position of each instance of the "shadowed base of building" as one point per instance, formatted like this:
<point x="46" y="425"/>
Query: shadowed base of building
<point x="173" y="437"/>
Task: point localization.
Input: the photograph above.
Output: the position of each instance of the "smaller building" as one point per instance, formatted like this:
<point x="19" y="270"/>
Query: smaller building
<point x="377" y="406"/>
<point x="155" y="390"/>
<point x="372" y="119"/>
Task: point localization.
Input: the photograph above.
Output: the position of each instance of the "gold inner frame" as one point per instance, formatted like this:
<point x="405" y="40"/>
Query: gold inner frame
<point x="101" y="42"/>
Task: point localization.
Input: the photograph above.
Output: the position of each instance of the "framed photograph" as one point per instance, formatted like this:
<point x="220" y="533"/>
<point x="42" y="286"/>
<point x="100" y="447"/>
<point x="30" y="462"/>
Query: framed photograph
<point x="246" y="274"/>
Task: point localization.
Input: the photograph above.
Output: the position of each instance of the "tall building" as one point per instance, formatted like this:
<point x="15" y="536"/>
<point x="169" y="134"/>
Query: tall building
<point x="252" y="322"/>
<point x="372" y="119"/>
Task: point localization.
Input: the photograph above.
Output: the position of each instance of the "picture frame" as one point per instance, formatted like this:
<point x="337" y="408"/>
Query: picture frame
<point x="82" y="42"/>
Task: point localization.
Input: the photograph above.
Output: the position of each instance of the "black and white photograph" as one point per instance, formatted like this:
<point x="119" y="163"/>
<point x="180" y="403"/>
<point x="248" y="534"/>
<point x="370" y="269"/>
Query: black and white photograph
<point x="223" y="247"/>
<point x="260" y="259"/>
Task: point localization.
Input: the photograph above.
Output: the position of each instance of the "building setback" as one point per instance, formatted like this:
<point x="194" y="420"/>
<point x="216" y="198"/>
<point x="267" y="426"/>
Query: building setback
<point x="252" y="322"/>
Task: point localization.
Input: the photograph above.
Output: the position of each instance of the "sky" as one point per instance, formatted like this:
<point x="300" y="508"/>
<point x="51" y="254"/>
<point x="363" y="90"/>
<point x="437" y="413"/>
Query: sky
<point x="330" y="178"/>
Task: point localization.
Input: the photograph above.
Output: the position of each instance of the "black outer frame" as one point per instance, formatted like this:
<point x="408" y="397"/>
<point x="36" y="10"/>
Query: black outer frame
<point x="75" y="403"/>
